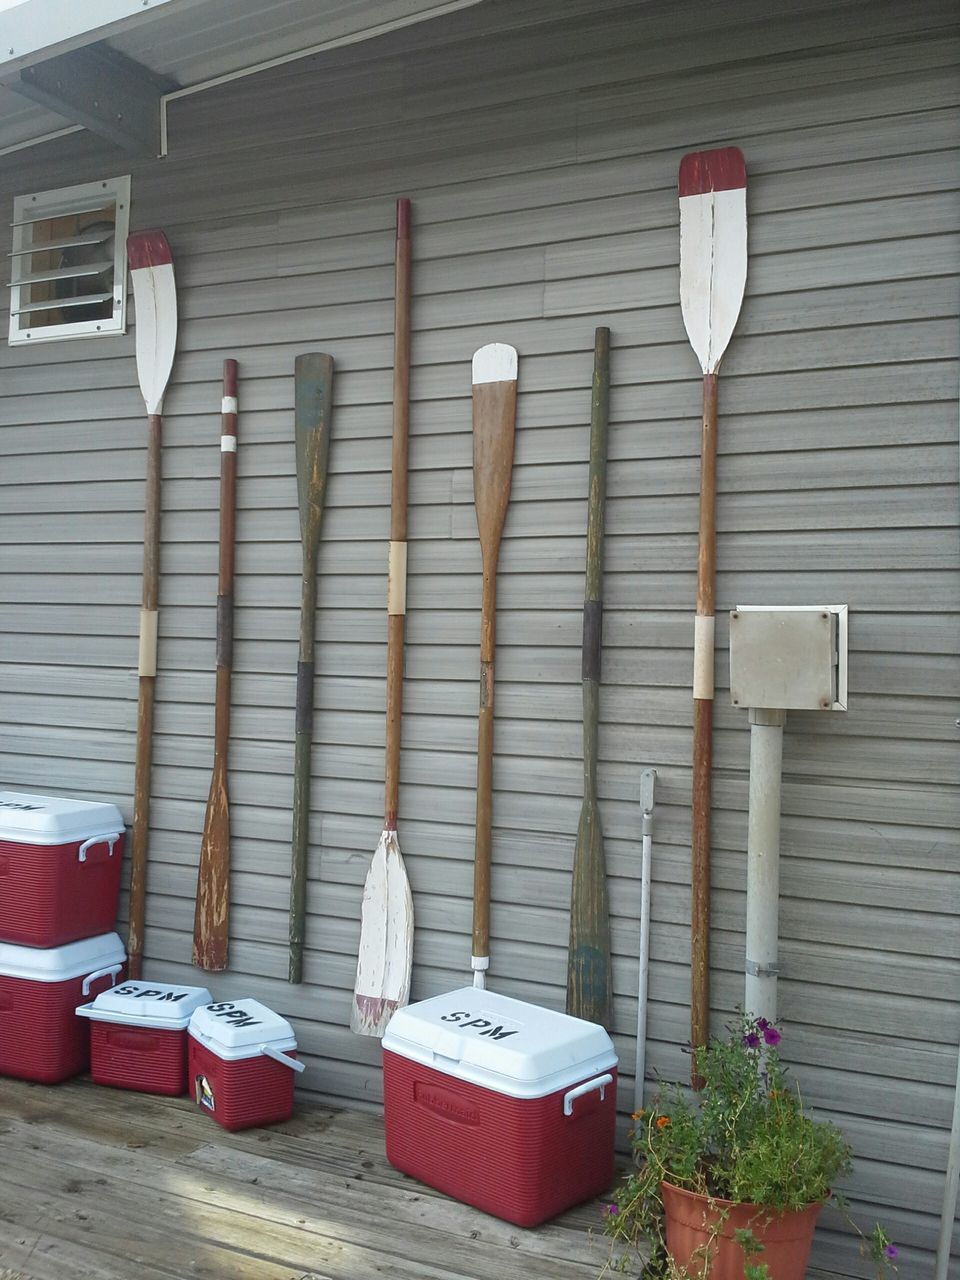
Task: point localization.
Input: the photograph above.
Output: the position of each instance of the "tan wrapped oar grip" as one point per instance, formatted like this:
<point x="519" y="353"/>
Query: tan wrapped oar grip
<point x="147" y="661"/>
<point x="703" y="629"/>
<point x="397" y="578"/>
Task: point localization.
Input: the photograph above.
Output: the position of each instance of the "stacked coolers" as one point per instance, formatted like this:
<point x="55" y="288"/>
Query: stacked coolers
<point x="59" y="885"/>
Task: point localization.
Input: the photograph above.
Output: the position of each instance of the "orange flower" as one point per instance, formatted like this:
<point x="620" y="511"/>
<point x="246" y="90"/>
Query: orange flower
<point x="637" y="1115"/>
<point x="662" y="1121"/>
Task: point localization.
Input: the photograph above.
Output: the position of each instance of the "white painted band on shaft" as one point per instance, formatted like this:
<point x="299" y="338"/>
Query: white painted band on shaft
<point x="397" y="578"/>
<point x="228" y="404"/>
<point x="480" y="962"/>
<point x="147" y="661"/>
<point x="228" y="444"/>
<point x="703" y="657"/>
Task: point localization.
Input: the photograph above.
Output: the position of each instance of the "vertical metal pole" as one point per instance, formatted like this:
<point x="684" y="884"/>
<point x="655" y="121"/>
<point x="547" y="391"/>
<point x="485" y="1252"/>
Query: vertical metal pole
<point x="763" y="862"/>
<point x="647" y="780"/>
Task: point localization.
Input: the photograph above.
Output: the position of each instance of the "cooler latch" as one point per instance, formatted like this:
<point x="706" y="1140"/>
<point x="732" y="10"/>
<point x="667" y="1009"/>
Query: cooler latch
<point x="588" y="1086"/>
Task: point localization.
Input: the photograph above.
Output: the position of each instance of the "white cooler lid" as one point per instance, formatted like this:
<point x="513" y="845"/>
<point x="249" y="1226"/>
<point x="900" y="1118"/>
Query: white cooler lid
<point x="235" y="1029"/>
<point x="59" y="964"/>
<point x="516" y="1048"/>
<point x="161" y="1005"/>
<point x="33" y="819"/>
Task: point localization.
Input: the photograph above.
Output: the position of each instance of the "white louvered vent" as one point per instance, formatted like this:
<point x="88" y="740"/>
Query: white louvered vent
<point x="68" y="275"/>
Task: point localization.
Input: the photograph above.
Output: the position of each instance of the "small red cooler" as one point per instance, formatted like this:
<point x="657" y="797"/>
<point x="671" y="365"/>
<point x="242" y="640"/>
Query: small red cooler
<point x="138" y="1035"/>
<point x="59" y="868"/>
<point x="241" y="1063"/>
<point x="501" y="1104"/>
<point x="40" y="1036"/>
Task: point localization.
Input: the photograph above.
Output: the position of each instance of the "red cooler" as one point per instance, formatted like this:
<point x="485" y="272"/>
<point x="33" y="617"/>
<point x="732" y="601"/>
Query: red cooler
<point x="40" y="1036"/>
<point x="138" y="1035"/>
<point x="501" y="1104"/>
<point x="59" y="868"/>
<point x="241" y="1063"/>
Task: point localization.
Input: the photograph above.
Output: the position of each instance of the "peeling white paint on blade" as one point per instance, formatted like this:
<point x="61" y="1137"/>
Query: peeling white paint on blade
<point x="713" y="269"/>
<point x="496" y="362"/>
<point x="386" y="941"/>
<point x="155" y="293"/>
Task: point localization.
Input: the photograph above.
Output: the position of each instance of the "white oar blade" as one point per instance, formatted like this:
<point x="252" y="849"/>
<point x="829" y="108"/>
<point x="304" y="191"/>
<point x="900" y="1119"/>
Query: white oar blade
<point x="155" y="291"/>
<point x="713" y="249"/>
<point x="496" y="362"/>
<point x="386" y="941"/>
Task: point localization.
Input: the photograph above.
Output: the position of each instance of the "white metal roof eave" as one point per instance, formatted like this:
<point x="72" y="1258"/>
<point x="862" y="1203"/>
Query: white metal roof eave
<point x="34" y="30"/>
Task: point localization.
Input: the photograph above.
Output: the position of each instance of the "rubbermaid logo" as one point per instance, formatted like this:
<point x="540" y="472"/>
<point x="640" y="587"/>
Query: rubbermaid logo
<point x="13" y="804"/>
<point x="445" y="1104"/>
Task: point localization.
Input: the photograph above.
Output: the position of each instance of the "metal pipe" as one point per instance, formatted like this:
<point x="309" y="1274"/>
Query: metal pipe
<point x="949" y="1211"/>
<point x="763" y="862"/>
<point x="647" y="780"/>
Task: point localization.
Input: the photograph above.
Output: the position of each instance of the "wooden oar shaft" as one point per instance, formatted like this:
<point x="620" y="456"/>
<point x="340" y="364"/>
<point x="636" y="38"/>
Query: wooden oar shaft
<point x="703" y="724"/>
<point x="211" y="923"/>
<point x="397" y="587"/>
<point x="313" y="378"/>
<point x="147" y="667"/>
<point x="589" y="985"/>
<point x="494" y="422"/>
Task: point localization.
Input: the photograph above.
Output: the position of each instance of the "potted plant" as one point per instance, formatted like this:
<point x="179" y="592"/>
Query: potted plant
<point x="728" y="1184"/>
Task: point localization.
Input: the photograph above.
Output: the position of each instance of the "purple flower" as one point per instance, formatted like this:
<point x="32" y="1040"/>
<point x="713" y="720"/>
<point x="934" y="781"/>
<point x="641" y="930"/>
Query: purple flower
<point x="752" y="1040"/>
<point x="891" y="1251"/>
<point x="762" y="1024"/>
<point x="611" y="1210"/>
<point x="771" y="1035"/>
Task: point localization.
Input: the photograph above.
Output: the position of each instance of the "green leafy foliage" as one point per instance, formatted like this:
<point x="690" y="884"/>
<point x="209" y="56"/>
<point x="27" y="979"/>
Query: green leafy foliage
<point x="745" y="1138"/>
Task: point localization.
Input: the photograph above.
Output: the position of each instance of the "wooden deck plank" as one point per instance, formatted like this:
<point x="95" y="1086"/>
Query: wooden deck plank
<point x="314" y="1199"/>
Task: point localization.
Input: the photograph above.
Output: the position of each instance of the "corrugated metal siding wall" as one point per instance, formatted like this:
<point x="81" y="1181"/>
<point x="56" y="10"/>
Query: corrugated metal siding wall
<point x="542" y="163"/>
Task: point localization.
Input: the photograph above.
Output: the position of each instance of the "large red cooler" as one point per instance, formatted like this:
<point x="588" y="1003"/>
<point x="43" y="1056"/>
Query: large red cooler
<point x="500" y="1103"/>
<point x="41" y="1038"/>
<point x="241" y="1063"/>
<point x="59" y="868"/>
<point x="138" y="1035"/>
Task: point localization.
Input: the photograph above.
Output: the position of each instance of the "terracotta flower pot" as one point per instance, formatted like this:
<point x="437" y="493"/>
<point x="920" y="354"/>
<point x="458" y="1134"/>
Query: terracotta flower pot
<point x="695" y="1223"/>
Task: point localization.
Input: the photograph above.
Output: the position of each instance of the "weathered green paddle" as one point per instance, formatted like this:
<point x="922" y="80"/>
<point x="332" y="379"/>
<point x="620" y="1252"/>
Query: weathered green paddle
<point x="589" y="987"/>
<point x="313" y="378"/>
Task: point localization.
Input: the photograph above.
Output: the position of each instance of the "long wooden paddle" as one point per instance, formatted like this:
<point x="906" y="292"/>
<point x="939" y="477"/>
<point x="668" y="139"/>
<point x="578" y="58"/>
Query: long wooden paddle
<point x="155" y="292"/>
<point x="313" y="410"/>
<point x="385" y="956"/>
<point x="589" y="982"/>
<point x="713" y="272"/>
<point x="494" y="424"/>
<point x="211" y="921"/>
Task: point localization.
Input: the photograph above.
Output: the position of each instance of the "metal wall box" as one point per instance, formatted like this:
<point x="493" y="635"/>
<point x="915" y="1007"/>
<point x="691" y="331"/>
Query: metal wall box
<point x="790" y="657"/>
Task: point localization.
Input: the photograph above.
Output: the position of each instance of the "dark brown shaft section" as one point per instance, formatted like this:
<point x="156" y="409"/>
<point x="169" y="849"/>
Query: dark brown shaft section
<point x="703" y="733"/>
<point x="494" y="422"/>
<point x="211" y="922"/>
<point x="398" y="512"/>
<point x="589" y="970"/>
<point x="144" y="760"/>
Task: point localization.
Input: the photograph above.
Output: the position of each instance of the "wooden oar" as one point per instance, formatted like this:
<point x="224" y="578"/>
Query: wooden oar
<point x="211" y="921"/>
<point x="589" y="983"/>
<point x="494" y="423"/>
<point x="713" y="273"/>
<point x="313" y="378"/>
<point x="385" y="957"/>
<point x="154" y="288"/>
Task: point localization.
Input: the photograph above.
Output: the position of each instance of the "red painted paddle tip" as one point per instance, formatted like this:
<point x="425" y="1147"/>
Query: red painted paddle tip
<point x="148" y="249"/>
<point x="229" y="377"/>
<point x="720" y="170"/>
<point x="403" y="218"/>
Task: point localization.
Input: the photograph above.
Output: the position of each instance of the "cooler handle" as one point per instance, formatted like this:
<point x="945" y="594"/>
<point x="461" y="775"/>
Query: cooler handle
<point x="588" y="1086"/>
<point x="109" y="840"/>
<point x="277" y="1056"/>
<point x="91" y="978"/>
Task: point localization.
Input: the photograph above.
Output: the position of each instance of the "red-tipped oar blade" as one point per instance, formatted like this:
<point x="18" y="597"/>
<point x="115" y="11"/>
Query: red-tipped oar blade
<point x="155" y="292"/>
<point x="713" y="248"/>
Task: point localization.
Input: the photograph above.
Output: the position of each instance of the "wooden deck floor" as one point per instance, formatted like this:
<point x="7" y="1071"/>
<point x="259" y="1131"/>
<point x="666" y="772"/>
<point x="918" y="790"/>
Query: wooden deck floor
<point x="100" y="1184"/>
